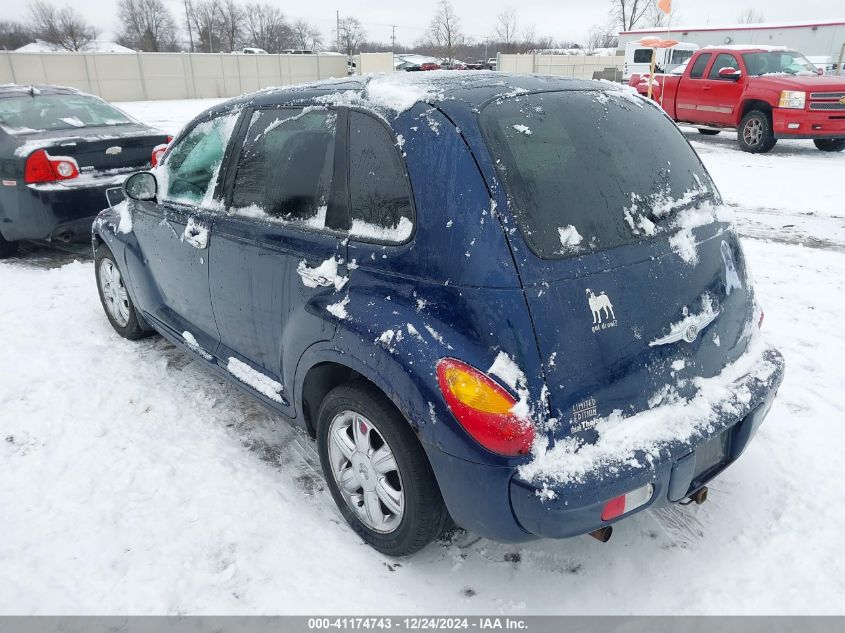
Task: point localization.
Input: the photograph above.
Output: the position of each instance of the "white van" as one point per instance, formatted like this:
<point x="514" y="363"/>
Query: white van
<point x="638" y="58"/>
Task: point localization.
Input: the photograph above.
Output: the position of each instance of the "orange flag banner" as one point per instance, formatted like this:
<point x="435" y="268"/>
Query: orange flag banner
<point x="665" y="6"/>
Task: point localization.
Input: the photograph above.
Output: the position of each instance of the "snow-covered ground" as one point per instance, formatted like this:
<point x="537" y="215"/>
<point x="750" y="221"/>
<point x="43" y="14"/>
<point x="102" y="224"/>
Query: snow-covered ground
<point x="134" y="481"/>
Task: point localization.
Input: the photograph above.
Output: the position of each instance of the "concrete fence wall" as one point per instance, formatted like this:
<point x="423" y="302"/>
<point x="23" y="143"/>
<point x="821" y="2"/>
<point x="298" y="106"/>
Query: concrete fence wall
<point x="579" y="66"/>
<point x="143" y="76"/>
<point x="374" y="63"/>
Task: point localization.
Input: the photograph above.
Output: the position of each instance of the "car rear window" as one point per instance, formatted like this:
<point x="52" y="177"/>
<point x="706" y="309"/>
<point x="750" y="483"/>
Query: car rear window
<point x="37" y="113"/>
<point x="583" y="170"/>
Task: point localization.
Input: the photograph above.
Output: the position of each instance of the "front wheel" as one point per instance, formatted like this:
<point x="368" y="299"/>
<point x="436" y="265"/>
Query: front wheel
<point x="707" y="132"/>
<point x="7" y="248"/>
<point x="830" y="144"/>
<point x="377" y="471"/>
<point x="113" y="295"/>
<point x="755" y="133"/>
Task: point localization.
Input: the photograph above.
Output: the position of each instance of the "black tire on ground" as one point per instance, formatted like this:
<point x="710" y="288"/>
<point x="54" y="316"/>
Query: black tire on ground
<point x="132" y="330"/>
<point x="755" y="133"/>
<point x="830" y="144"/>
<point x="7" y="249"/>
<point x="707" y="132"/>
<point x="425" y="517"/>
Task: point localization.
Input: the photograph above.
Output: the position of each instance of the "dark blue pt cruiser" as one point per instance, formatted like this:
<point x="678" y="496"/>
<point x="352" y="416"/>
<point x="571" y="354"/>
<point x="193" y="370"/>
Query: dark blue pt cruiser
<point x="513" y="303"/>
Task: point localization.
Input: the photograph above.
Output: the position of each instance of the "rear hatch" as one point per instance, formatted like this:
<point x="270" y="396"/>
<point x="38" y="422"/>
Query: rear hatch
<point x="633" y="277"/>
<point x="96" y="134"/>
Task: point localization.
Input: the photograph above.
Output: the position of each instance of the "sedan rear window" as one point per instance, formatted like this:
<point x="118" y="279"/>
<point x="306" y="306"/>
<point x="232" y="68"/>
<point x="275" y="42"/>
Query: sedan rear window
<point x="37" y="113"/>
<point x="588" y="171"/>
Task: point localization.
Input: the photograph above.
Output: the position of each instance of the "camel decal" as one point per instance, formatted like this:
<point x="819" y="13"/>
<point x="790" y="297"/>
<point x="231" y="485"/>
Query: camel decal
<point x="597" y="304"/>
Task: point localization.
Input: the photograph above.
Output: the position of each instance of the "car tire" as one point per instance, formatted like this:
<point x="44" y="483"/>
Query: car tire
<point x="417" y="514"/>
<point x="755" y="133"/>
<point x="707" y="132"/>
<point x="830" y="144"/>
<point x="7" y="248"/>
<point x="114" y="296"/>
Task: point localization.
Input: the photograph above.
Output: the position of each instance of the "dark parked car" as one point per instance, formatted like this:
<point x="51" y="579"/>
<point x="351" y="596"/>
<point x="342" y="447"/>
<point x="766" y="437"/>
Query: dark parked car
<point x="60" y="149"/>
<point x="538" y="343"/>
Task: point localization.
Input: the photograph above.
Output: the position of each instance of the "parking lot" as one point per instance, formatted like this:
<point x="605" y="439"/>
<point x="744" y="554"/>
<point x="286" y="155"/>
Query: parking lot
<point x="134" y="481"/>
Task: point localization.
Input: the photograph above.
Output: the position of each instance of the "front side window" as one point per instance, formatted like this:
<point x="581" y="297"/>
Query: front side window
<point x="380" y="195"/>
<point x="723" y="60"/>
<point x="286" y="167"/>
<point x="33" y="112"/>
<point x="778" y="62"/>
<point x="192" y="166"/>
<point x="700" y="64"/>
<point x="587" y="171"/>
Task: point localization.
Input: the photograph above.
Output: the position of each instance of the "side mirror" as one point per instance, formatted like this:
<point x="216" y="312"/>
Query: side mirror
<point x="730" y="73"/>
<point x="141" y="186"/>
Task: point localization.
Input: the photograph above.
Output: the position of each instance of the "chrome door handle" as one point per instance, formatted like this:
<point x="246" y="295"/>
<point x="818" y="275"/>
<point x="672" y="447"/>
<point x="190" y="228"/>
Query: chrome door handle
<point x="196" y="235"/>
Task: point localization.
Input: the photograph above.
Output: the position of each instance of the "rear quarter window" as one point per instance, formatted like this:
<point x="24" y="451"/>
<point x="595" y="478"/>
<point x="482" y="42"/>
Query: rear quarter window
<point x="584" y="171"/>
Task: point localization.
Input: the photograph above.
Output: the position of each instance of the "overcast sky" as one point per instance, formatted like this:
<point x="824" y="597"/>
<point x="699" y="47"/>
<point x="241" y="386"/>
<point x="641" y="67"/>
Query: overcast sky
<point x="559" y="19"/>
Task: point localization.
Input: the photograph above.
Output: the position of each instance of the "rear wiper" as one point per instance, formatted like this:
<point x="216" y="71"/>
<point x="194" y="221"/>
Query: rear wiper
<point x="688" y="204"/>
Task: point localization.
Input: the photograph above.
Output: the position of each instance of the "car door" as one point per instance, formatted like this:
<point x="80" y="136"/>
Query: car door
<point x="721" y="96"/>
<point x="172" y="233"/>
<point x="278" y="256"/>
<point x="691" y="90"/>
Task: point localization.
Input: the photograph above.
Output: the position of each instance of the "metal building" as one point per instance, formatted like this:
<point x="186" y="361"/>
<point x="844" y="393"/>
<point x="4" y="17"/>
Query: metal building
<point x="819" y="38"/>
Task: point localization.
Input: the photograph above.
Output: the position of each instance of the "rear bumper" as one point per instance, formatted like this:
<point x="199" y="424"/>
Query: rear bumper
<point x="675" y="470"/>
<point x="498" y="503"/>
<point x="55" y="210"/>
<point x="805" y="124"/>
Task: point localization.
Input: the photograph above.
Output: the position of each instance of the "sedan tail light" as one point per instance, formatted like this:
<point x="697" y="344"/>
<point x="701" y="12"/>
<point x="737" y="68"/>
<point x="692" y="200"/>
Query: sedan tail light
<point x="484" y="408"/>
<point x="158" y="152"/>
<point x="41" y="167"/>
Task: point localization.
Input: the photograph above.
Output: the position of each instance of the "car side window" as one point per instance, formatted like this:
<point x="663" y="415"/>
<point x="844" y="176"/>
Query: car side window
<point x="193" y="164"/>
<point x="723" y="60"/>
<point x="643" y="55"/>
<point x="380" y="194"/>
<point x="700" y="64"/>
<point x="286" y="167"/>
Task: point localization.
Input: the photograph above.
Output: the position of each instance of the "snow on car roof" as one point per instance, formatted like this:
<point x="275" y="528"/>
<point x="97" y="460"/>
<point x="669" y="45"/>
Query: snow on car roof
<point x="749" y="47"/>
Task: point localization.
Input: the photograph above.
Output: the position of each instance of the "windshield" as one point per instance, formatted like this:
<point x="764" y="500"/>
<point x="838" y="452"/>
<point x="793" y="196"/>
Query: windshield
<point x="585" y="170"/>
<point x="778" y="62"/>
<point x="30" y="114"/>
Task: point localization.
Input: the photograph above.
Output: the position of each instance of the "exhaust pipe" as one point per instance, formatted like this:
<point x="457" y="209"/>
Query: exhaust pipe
<point x="602" y="534"/>
<point x="65" y="237"/>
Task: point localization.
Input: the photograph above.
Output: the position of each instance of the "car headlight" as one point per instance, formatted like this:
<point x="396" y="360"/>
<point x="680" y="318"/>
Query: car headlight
<point x="792" y="99"/>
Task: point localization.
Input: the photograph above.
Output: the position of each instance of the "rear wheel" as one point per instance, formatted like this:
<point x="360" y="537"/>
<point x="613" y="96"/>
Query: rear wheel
<point x="7" y="249"/>
<point x="707" y="132"/>
<point x="755" y="133"/>
<point x="830" y="144"/>
<point x="113" y="295"/>
<point x="377" y="471"/>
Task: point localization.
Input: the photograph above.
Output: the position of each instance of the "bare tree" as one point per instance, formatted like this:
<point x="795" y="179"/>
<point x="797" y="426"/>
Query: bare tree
<point x="306" y="36"/>
<point x="206" y="17"/>
<point x="444" y="32"/>
<point x="751" y="16"/>
<point x="628" y="13"/>
<point x="14" y="35"/>
<point x="146" y="25"/>
<point x="505" y="32"/>
<point x="231" y="25"/>
<point x="266" y="27"/>
<point x="63" y="28"/>
<point x="351" y="35"/>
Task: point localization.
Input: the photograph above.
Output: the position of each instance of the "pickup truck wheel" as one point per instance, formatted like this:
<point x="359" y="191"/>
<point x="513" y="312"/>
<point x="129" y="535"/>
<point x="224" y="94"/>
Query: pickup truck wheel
<point x="830" y="144"/>
<point x="707" y="132"/>
<point x="7" y="249"/>
<point x="755" y="133"/>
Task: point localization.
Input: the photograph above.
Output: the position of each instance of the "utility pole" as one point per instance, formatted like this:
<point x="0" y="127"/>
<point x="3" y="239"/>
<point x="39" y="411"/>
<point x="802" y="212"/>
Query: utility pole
<point x="393" y="37"/>
<point x="338" y="31"/>
<point x="188" y="22"/>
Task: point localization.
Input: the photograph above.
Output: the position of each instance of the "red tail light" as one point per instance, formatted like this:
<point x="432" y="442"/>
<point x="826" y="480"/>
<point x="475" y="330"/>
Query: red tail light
<point x="159" y="150"/>
<point x="760" y="322"/>
<point x="483" y="408"/>
<point x="41" y="167"/>
<point x="628" y="502"/>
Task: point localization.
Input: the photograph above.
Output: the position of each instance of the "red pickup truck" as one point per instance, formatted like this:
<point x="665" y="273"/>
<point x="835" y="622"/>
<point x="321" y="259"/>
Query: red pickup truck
<point x="764" y="93"/>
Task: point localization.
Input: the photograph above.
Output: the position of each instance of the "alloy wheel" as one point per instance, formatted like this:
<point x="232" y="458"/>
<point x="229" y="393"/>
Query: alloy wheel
<point x="115" y="297"/>
<point x="753" y="132"/>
